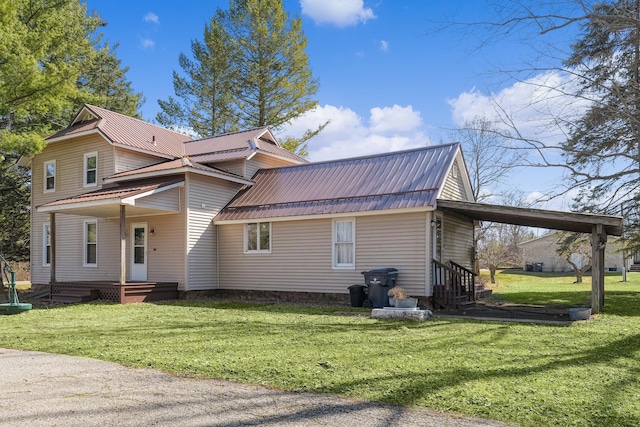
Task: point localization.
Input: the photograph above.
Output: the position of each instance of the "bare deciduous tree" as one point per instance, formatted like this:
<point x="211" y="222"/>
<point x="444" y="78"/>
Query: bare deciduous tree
<point x="488" y="157"/>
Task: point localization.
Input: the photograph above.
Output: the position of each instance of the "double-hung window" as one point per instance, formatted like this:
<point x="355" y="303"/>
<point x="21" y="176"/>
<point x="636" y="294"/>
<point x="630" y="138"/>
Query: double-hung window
<point x="90" y="244"/>
<point x="46" y="245"/>
<point x="257" y="237"/>
<point x="90" y="169"/>
<point x="50" y="176"/>
<point x="344" y="243"/>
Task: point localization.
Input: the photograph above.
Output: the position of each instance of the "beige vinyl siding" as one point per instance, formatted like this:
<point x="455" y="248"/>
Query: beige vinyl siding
<point x="453" y="188"/>
<point x="234" y="166"/>
<point x="165" y="248"/>
<point x="261" y="161"/>
<point x="165" y="262"/>
<point x="69" y="157"/>
<point x="206" y="196"/>
<point x="127" y="160"/>
<point x="70" y="250"/>
<point x="169" y="199"/>
<point x="300" y="258"/>
<point x="458" y="240"/>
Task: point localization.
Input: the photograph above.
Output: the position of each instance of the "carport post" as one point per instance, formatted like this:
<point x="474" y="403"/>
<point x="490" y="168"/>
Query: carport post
<point x="598" y="245"/>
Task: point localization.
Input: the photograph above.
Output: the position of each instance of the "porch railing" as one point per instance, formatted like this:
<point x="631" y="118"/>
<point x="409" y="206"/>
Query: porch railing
<point x="453" y="287"/>
<point x="468" y="279"/>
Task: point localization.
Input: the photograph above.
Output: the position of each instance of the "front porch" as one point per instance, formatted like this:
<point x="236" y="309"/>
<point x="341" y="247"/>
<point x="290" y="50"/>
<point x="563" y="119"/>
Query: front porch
<point x="129" y="292"/>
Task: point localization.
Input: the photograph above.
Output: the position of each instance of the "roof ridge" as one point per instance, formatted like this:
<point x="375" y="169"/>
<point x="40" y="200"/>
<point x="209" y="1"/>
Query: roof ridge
<point x="228" y="134"/>
<point x="132" y="118"/>
<point x="368" y="156"/>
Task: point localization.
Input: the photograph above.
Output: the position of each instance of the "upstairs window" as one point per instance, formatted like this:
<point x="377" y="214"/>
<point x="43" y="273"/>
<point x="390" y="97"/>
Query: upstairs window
<point x="344" y="246"/>
<point x="50" y="176"/>
<point x="90" y="169"/>
<point x="257" y="237"/>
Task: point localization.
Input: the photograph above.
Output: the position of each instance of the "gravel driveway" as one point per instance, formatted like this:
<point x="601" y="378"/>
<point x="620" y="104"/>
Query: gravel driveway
<point x="40" y="389"/>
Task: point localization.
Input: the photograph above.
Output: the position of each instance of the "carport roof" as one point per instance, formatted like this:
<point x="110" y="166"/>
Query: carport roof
<point x="555" y="220"/>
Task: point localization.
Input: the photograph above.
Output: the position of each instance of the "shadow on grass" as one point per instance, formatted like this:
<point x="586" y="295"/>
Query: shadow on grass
<point x="547" y="274"/>
<point x="412" y="388"/>
<point x="520" y="272"/>
<point x="619" y="303"/>
<point x="264" y="307"/>
<point x="576" y="298"/>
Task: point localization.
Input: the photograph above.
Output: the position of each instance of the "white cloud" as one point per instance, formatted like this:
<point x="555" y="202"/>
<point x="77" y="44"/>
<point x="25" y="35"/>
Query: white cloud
<point x="394" y="119"/>
<point x="537" y="110"/>
<point x="151" y="17"/>
<point x="538" y="107"/>
<point x="384" y="45"/>
<point x="348" y="135"/>
<point x="341" y="13"/>
<point x="147" y="43"/>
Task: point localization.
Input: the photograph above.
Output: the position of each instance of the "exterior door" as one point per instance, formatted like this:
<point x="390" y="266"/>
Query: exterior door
<point x="139" y="251"/>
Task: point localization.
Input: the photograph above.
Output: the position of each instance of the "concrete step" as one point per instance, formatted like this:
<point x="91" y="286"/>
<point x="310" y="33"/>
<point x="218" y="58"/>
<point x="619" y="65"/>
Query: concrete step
<point x="483" y="293"/>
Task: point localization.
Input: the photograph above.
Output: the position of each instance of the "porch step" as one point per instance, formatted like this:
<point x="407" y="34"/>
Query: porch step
<point x="75" y="296"/>
<point x="635" y="268"/>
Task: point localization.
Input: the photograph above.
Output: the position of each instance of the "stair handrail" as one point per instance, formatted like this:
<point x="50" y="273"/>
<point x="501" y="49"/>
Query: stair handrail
<point x="465" y="269"/>
<point x="468" y="278"/>
<point x="458" y="281"/>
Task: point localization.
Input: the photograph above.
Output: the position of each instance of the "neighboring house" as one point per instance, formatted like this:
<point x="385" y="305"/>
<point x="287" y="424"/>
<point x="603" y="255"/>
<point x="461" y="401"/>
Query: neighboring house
<point x="540" y="254"/>
<point x="118" y="202"/>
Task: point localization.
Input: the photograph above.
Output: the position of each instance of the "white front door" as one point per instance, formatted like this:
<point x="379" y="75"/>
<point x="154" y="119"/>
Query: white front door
<point x="139" y="251"/>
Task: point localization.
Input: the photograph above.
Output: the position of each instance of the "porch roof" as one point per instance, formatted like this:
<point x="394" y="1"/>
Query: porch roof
<point x="555" y="220"/>
<point x="106" y="202"/>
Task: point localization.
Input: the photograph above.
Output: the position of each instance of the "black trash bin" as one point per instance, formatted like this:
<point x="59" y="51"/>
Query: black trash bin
<point x="379" y="281"/>
<point x="358" y="295"/>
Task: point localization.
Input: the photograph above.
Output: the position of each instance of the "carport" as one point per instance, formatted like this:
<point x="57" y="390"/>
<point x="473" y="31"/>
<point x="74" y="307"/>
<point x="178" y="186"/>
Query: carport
<point x="599" y="226"/>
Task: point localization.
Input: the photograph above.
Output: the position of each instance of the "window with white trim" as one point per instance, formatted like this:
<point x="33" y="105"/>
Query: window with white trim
<point x="257" y="237"/>
<point x="90" y="169"/>
<point x="50" y="176"/>
<point x="90" y="244"/>
<point x="344" y="243"/>
<point x="46" y="245"/>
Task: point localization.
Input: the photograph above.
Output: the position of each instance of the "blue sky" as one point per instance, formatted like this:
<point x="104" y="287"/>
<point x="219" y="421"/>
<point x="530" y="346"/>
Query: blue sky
<point x="387" y="80"/>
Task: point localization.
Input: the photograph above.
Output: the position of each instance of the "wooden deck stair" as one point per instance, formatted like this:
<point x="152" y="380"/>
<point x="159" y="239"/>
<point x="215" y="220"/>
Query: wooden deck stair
<point x="634" y="268"/>
<point x="454" y="286"/>
<point x="75" y="296"/>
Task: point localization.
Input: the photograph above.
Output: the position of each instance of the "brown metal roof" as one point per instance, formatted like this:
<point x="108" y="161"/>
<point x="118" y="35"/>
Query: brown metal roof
<point x="242" y="144"/>
<point x="117" y="192"/>
<point x="222" y="156"/>
<point x="125" y="130"/>
<point x="404" y="179"/>
<point x="175" y="166"/>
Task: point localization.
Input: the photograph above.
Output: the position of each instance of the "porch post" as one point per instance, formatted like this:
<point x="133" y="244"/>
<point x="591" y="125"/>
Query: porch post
<point x="123" y="245"/>
<point x="598" y="245"/>
<point x="52" y="236"/>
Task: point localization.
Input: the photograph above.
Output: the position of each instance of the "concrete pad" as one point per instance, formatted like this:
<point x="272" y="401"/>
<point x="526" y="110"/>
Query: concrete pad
<point x="400" y="313"/>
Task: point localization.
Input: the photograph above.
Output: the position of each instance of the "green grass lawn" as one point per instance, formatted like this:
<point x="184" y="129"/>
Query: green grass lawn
<point x="530" y="375"/>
